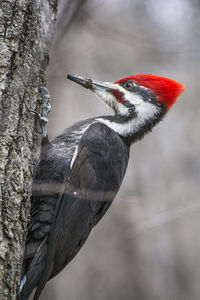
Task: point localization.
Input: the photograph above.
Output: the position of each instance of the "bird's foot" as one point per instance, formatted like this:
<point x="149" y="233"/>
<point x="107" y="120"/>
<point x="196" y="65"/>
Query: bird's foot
<point x="46" y="107"/>
<point x="46" y="103"/>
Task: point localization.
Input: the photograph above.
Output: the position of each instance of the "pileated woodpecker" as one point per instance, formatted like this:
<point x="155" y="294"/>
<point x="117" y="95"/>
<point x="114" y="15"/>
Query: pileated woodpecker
<point x="80" y="171"/>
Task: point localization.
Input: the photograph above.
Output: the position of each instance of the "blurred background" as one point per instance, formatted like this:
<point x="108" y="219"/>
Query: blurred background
<point x="147" y="246"/>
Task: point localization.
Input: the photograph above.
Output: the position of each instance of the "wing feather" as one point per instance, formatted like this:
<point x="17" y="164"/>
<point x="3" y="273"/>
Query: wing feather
<point x="87" y="191"/>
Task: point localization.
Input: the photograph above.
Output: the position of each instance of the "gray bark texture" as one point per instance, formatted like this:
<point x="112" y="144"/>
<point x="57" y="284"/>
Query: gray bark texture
<point x="26" y="34"/>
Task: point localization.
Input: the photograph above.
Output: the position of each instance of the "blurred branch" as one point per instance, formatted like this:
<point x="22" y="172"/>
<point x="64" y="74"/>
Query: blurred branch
<point x="134" y="38"/>
<point x="67" y="17"/>
<point x="166" y="217"/>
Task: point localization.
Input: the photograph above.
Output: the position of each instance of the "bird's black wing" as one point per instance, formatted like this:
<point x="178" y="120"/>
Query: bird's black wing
<point x="51" y="172"/>
<point x="94" y="180"/>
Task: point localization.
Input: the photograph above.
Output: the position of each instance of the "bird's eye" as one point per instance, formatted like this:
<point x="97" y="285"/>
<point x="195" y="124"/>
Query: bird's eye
<point x="128" y="85"/>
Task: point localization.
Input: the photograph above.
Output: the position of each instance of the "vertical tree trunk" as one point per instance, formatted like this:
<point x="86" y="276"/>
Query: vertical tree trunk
<point x="26" y="33"/>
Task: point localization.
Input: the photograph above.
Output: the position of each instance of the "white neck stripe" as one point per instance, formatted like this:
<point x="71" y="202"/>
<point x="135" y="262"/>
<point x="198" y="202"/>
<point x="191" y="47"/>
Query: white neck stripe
<point x="145" y="112"/>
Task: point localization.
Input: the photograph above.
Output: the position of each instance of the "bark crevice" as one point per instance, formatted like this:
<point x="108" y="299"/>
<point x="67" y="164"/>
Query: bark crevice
<point x="24" y="49"/>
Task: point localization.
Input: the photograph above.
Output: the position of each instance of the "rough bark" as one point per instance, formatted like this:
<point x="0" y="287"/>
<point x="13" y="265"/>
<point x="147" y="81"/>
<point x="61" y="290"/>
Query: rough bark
<point x="26" y="33"/>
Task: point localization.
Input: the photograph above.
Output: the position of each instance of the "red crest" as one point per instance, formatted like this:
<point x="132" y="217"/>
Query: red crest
<point x="167" y="90"/>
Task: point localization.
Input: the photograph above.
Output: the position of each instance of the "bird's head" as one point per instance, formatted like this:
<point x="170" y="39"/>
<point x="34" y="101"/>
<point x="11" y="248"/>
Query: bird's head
<point x="142" y="98"/>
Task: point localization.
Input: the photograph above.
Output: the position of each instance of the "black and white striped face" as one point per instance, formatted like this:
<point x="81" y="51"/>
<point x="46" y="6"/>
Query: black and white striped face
<point x="127" y="99"/>
<point x="136" y="107"/>
<point x="139" y="101"/>
<point x="124" y="98"/>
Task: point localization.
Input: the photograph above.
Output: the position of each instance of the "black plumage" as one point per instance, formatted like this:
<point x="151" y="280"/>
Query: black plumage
<point x="68" y="202"/>
<point x="80" y="172"/>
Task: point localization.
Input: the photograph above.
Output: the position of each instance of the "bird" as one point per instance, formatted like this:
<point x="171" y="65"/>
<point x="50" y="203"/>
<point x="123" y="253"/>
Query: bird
<point x="79" y="172"/>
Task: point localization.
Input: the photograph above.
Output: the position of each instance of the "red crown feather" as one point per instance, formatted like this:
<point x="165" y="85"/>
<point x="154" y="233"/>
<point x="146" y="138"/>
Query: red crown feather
<point x="167" y="90"/>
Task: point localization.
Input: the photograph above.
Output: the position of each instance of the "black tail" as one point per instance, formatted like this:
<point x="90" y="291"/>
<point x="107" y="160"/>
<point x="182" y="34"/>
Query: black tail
<point x="30" y="279"/>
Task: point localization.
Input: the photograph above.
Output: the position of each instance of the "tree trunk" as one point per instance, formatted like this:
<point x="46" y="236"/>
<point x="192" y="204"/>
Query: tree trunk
<point x="26" y="33"/>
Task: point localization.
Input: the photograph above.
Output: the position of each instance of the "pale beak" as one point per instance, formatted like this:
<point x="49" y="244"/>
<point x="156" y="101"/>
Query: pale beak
<point x="91" y="84"/>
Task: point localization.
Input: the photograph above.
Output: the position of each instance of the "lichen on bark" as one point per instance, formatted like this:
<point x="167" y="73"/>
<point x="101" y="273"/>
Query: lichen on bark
<point x="26" y="33"/>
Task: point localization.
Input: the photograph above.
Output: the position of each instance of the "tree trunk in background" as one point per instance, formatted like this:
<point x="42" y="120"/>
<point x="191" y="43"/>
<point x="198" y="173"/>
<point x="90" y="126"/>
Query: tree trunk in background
<point x="26" y="33"/>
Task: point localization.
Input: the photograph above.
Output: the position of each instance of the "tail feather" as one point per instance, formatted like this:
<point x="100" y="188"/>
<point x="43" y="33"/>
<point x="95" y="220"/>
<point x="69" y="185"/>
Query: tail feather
<point x="22" y="283"/>
<point x="30" y="280"/>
